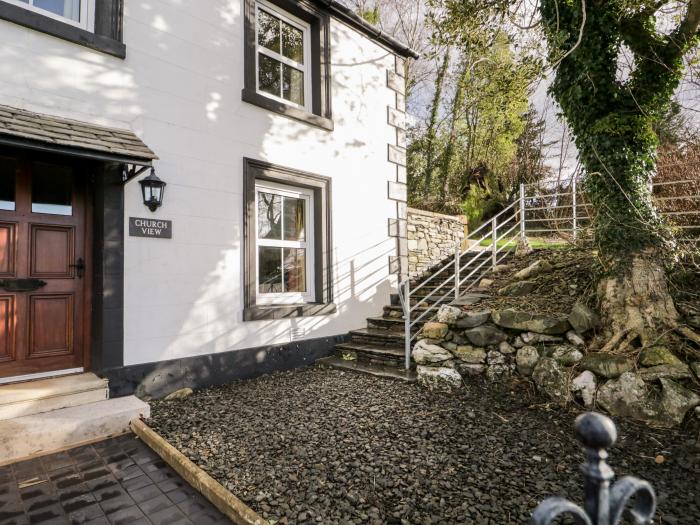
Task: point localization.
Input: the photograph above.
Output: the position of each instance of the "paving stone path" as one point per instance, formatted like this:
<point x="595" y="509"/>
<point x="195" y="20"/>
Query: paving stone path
<point x="113" y="482"/>
<point x="331" y="447"/>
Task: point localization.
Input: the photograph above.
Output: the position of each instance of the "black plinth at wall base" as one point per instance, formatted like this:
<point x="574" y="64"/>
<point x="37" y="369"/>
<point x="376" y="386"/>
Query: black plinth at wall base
<point x="155" y="380"/>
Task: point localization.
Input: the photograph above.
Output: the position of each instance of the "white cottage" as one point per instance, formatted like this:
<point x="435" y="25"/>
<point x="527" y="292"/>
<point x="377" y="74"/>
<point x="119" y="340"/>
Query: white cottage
<point x="277" y="127"/>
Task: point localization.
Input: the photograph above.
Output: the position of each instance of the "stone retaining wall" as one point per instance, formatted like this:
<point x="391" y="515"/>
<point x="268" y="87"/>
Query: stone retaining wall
<point x="656" y="388"/>
<point x="431" y="238"/>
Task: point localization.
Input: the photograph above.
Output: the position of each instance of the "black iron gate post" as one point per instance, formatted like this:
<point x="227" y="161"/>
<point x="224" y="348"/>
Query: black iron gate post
<point x="603" y="504"/>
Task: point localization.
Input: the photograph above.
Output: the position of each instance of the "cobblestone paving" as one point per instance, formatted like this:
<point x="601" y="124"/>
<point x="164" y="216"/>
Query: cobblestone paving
<point x="113" y="482"/>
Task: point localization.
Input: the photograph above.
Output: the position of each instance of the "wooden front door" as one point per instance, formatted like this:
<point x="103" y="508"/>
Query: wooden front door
<point x="42" y="266"/>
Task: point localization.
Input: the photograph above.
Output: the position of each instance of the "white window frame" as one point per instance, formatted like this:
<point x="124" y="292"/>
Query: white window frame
<point x="287" y="297"/>
<point x="305" y="67"/>
<point x="87" y="13"/>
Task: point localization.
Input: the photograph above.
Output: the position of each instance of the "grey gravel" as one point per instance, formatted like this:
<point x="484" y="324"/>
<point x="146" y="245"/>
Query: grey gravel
<point x="326" y="446"/>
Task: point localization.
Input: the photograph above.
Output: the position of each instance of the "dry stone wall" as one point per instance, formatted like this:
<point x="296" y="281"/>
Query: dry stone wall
<point x="431" y="238"/>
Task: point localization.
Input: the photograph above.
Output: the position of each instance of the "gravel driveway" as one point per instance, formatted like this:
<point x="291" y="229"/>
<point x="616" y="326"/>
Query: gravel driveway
<point x="325" y="446"/>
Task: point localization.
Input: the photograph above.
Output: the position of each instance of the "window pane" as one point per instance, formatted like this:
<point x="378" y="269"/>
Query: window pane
<point x="269" y="73"/>
<point x="7" y="184"/>
<point x="52" y="189"/>
<point x="270" y="270"/>
<point x="268" y="31"/>
<point x="67" y="8"/>
<point x="269" y="216"/>
<point x="293" y="85"/>
<point x="294" y="270"/>
<point x="293" y="43"/>
<point x="294" y="219"/>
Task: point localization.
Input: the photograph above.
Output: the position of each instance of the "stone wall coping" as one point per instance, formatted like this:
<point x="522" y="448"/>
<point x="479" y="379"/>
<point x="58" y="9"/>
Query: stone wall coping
<point x="457" y="218"/>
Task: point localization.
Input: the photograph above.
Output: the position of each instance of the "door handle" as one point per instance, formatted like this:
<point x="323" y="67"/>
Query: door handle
<point x="21" y="285"/>
<point x="80" y="267"/>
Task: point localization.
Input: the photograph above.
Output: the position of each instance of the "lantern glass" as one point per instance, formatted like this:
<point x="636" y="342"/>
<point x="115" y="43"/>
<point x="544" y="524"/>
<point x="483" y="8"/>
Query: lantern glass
<point x="152" y="188"/>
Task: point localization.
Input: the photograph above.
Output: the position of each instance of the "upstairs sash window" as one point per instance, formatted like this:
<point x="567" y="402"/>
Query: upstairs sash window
<point x="282" y="56"/>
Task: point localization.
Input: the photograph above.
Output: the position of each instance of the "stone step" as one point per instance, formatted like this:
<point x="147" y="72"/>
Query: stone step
<point x="368" y="351"/>
<point x="377" y="337"/>
<point x="40" y="434"/>
<point x="389" y="372"/>
<point x="45" y="395"/>
<point x="390" y="323"/>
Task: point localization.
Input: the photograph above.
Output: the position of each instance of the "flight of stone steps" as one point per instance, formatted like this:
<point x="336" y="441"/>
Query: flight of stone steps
<point x="378" y="349"/>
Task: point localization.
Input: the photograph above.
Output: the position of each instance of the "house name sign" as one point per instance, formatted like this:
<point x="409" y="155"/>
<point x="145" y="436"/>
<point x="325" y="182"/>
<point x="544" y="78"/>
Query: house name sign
<point x="156" y="228"/>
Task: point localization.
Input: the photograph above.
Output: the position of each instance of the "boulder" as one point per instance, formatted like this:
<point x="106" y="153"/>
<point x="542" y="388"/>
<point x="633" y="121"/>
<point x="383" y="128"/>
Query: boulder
<point x="498" y="371"/>
<point x="657" y="355"/>
<point x="526" y="359"/>
<point x="654" y="373"/>
<point x="529" y="322"/>
<point x="583" y="319"/>
<point x="439" y="379"/>
<point x="473" y="319"/>
<point x="486" y="283"/>
<point x="495" y="358"/>
<point x="505" y="348"/>
<point x="566" y="355"/>
<point x="449" y="346"/>
<point x="531" y="338"/>
<point x="449" y="314"/>
<point x="585" y="385"/>
<point x="676" y="401"/>
<point x="607" y="365"/>
<point x="501" y="268"/>
<point x="485" y="335"/>
<point x="179" y="394"/>
<point x="470" y="354"/>
<point x="518" y="289"/>
<point x="575" y="339"/>
<point x="551" y="379"/>
<point x="535" y="269"/>
<point x="468" y="369"/>
<point x="434" y="330"/>
<point x="629" y="396"/>
<point x="523" y="248"/>
<point x="518" y="342"/>
<point x="429" y="354"/>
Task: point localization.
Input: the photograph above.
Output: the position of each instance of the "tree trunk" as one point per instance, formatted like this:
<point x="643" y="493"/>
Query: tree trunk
<point x="431" y="132"/>
<point x="638" y="300"/>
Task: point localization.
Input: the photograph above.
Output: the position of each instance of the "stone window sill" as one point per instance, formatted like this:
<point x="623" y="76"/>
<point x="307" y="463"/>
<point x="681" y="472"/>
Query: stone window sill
<point x="288" y="111"/>
<point x="270" y="312"/>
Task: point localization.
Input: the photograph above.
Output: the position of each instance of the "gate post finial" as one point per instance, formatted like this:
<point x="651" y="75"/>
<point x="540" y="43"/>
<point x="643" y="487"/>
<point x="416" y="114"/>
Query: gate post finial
<point x="603" y="504"/>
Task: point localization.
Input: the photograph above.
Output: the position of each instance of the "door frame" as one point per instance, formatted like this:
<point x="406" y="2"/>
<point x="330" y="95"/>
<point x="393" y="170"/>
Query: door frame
<point x="84" y="170"/>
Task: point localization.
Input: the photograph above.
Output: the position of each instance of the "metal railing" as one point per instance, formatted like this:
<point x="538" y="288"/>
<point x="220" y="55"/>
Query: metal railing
<point x="561" y="212"/>
<point x="481" y="251"/>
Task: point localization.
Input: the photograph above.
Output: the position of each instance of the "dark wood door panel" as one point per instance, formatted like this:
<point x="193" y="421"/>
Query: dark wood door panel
<point x="46" y="328"/>
<point x="52" y="251"/>
<point x="51" y="325"/>
<point x="8" y="249"/>
<point x="7" y="328"/>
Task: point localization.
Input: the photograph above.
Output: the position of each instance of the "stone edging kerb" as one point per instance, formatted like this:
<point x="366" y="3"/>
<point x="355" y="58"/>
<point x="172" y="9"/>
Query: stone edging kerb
<point x="212" y="490"/>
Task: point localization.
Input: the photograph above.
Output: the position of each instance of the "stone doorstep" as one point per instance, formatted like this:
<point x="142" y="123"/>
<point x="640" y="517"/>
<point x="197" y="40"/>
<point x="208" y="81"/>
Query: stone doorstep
<point x="41" y="434"/>
<point x="45" y="395"/>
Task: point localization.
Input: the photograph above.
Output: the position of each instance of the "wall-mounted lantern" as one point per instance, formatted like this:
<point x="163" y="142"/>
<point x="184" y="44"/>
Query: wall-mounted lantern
<point x="153" y="189"/>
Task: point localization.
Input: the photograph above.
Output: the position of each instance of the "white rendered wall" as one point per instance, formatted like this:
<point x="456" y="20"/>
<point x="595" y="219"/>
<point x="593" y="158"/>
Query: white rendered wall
<point x="180" y="90"/>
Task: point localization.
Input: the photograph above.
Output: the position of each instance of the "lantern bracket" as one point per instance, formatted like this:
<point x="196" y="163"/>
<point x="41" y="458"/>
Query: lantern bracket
<point x="131" y="171"/>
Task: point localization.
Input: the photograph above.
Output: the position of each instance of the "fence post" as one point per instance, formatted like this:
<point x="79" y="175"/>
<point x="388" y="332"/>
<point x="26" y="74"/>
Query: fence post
<point x="494" y="239"/>
<point x="575" y="206"/>
<point x="522" y="212"/>
<point x="458" y="264"/>
<point x="407" y="321"/>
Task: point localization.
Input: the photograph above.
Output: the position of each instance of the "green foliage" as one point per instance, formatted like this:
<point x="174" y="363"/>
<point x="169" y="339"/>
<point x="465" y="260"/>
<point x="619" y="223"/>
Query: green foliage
<point x="463" y="159"/>
<point x="371" y="15"/>
<point x="615" y="119"/>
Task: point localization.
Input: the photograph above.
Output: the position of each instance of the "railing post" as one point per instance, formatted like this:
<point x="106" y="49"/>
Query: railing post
<point x="575" y="206"/>
<point x="407" y="321"/>
<point x="458" y="264"/>
<point x="522" y="212"/>
<point x="494" y="239"/>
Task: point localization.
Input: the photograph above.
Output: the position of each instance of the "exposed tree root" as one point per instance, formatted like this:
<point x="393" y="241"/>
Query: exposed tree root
<point x="614" y="341"/>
